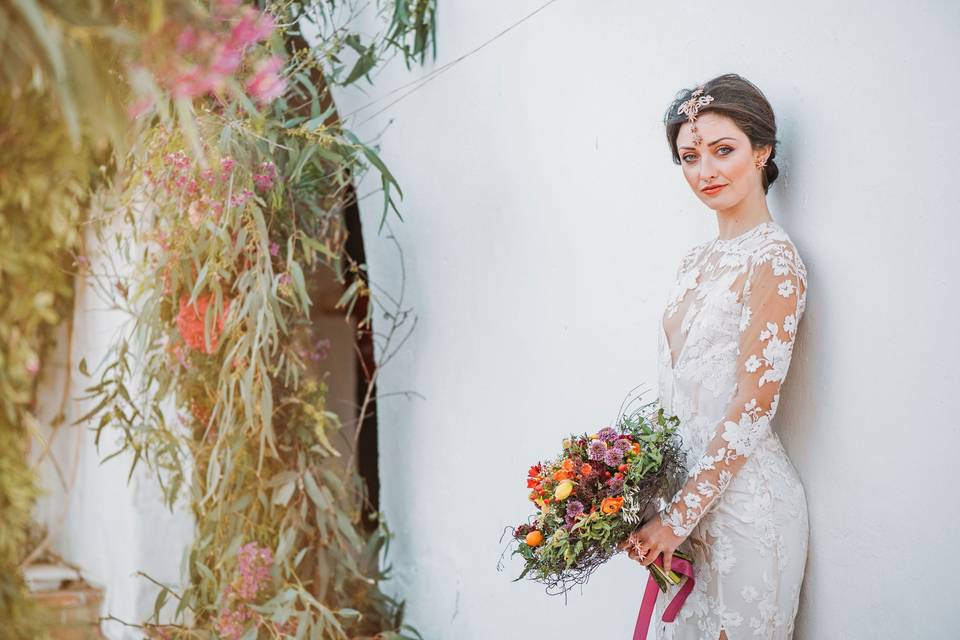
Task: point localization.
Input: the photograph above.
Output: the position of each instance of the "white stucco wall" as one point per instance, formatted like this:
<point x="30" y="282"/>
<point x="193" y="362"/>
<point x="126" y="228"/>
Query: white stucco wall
<point x="110" y="528"/>
<point x="544" y="222"/>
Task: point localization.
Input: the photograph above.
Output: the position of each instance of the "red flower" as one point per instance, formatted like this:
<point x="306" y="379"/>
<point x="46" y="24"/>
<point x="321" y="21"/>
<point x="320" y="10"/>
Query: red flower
<point x="190" y="321"/>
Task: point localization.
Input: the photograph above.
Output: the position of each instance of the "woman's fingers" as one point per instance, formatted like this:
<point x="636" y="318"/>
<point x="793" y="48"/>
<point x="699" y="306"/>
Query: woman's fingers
<point x="667" y="560"/>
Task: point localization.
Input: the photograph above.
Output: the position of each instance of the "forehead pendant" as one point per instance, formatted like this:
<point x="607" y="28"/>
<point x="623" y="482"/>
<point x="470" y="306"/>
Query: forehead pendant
<point x="691" y="107"/>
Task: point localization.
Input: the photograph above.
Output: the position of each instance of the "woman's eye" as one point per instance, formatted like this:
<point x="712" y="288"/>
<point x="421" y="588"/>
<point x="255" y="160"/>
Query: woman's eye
<point x="729" y="149"/>
<point x="687" y="156"/>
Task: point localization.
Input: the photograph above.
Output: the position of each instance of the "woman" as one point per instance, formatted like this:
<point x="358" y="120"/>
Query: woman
<point x="726" y="341"/>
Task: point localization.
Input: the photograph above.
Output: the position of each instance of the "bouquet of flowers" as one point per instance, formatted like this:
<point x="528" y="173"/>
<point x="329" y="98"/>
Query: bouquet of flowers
<point x="592" y="496"/>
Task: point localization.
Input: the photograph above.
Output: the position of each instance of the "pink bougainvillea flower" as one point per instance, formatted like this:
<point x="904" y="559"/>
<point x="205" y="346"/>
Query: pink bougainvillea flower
<point x="266" y="85"/>
<point x="274" y="248"/>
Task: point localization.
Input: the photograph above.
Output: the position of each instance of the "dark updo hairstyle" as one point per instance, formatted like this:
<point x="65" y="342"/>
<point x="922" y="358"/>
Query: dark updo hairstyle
<point x="741" y="101"/>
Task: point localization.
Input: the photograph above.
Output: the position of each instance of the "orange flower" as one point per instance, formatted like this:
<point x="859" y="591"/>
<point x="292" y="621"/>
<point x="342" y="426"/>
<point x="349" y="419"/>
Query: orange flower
<point x="534" y="539"/>
<point x="190" y="321"/>
<point x="611" y="505"/>
<point x="586" y="470"/>
<point x="562" y="475"/>
<point x="567" y="465"/>
<point x="636" y="447"/>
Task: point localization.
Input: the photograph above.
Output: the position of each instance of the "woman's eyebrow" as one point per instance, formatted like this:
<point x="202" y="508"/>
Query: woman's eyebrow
<point x="713" y="143"/>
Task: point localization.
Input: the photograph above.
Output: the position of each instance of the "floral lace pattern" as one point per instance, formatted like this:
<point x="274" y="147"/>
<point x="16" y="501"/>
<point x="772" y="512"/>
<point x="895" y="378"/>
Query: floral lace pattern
<point x="726" y="341"/>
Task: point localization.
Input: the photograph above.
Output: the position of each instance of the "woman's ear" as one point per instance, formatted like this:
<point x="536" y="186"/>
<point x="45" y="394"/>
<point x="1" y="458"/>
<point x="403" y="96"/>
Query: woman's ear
<point x="762" y="154"/>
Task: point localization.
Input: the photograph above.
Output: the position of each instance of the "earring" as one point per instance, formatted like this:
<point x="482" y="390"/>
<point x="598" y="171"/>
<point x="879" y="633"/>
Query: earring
<point x="760" y="164"/>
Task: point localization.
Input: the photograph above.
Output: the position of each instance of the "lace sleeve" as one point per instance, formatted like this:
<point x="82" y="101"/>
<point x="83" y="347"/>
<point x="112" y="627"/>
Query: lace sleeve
<point x="774" y="296"/>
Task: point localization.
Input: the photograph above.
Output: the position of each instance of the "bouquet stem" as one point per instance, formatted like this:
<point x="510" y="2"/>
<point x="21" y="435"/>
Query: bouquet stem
<point x="665" y="579"/>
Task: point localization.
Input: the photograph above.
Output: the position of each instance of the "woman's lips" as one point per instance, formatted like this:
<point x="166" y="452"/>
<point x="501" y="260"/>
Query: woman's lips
<point x="710" y="191"/>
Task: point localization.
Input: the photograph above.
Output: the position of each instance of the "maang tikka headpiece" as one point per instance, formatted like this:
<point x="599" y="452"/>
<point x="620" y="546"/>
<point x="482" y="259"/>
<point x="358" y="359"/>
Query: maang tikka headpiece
<point x="691" y="107"/>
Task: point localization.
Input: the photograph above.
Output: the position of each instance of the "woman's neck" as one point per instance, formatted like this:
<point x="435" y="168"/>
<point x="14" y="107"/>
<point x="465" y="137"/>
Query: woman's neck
<point x="744" y="215"/>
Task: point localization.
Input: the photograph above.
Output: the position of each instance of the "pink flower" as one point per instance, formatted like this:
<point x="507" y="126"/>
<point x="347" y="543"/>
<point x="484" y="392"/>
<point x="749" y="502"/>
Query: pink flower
<point x="191" y="83"/>
<point x="252" y="27"/>
<point x="265" y="85"/>
<point x="274" y="248"/>
<point x="178" y="160"/>
<point x="263" y="182"/>
<point x="231" y="623"/>
<point x="227" y="165"/>
<point x="226" y="61"/>
<point x="253" y="565"/>
<point x="241" y="198"/>
<point x="264" y="179"/>
<point x="321" y="349"/>
<point x="140" y="107"/>
<point x="187" y="40"/>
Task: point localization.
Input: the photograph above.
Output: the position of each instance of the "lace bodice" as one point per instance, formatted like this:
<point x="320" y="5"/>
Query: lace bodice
<point x="726" y="341"/>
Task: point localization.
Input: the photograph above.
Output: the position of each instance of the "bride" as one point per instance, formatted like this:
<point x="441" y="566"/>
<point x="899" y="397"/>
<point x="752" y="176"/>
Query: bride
<point x="726" y="339"/>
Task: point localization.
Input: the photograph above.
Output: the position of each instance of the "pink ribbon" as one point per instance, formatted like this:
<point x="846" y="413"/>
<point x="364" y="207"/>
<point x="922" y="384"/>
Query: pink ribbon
<point x="684" y="568"/>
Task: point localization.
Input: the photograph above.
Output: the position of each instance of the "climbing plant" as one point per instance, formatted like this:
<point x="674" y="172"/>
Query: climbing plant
<point x="224" y="195"/>
<point x="61" y="117"/>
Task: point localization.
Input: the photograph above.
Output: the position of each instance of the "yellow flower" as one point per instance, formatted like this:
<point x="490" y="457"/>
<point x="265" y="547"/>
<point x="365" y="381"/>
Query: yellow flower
<point x="563" y="491"/>
<point x="566" y="443"/>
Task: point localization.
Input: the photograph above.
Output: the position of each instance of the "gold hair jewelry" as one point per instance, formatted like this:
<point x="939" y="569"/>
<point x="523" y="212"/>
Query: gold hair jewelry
<point x="691" y="107"/>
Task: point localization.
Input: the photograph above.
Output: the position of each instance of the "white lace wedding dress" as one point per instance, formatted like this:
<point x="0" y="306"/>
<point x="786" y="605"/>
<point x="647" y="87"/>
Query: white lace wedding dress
<point x="725" y="345"/>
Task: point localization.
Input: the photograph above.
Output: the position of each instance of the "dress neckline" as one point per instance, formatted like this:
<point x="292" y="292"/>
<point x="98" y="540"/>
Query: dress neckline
<point x="727" y="242"/>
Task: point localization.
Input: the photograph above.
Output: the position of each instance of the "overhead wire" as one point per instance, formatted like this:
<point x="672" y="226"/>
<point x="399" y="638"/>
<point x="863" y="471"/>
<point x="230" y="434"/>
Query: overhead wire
<point x="419" y="83"/>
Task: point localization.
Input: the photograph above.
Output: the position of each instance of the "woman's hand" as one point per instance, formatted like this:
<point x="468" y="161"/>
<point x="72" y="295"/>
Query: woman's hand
<point x="650" y="540"/>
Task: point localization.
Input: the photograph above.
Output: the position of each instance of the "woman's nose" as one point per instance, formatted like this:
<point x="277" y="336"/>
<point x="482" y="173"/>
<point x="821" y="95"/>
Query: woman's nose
<point x="707" y="170"/>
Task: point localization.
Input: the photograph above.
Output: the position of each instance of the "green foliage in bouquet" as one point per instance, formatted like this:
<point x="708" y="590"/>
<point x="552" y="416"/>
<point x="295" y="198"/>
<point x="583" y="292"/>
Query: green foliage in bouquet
<point x="595" y="494"/>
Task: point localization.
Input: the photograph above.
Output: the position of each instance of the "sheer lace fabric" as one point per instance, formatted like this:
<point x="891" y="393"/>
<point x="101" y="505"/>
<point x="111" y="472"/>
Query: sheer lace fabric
<point x="725" y="344"/>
